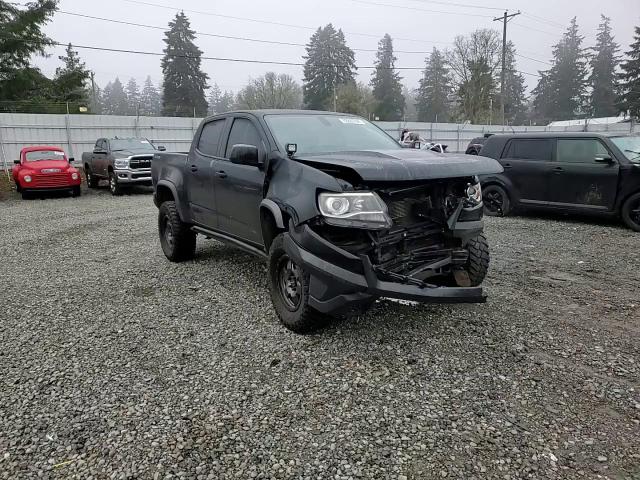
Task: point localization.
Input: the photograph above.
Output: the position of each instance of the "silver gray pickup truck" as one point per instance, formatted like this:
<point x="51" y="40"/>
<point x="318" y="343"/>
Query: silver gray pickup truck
<point x="125" y="162"/>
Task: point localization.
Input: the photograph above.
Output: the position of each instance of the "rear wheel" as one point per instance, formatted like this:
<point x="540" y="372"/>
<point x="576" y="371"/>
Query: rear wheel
<point x="631" y="212"/>
<point x="289" y="289"/>
<point x="114" y="186"/>
<point x="496" y="201"/>
<point x="177" y="239"/>
<point x="92" y="181"/>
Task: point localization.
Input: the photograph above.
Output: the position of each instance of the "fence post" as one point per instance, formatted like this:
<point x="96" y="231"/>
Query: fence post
<point x="458" y="139"/>
<point x="67" y="122"/>
<point x="431" y="132"/>
<point x="4" y="154"/>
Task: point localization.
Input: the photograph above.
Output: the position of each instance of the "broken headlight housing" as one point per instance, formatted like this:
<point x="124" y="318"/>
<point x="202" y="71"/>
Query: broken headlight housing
<point x="473" y="193"/>
<point x="354" y="209"/>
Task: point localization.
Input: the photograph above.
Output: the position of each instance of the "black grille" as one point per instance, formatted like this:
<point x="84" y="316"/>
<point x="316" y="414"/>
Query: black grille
<point x="138" y="163"/>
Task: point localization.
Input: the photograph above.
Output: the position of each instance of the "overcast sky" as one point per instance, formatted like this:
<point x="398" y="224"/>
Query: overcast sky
<point x="415" y="25"/>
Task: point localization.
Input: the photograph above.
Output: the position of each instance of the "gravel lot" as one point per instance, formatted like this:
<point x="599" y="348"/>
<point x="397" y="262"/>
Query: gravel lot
<point x="116" y="363"/>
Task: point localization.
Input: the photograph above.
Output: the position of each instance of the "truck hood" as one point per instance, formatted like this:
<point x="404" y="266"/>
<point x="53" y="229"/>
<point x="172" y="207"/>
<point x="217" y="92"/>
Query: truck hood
<point x="405" y="164"/>
<point x="40" y="165"/>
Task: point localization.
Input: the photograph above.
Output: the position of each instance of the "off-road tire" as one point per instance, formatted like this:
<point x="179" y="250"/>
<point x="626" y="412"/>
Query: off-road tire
<point x="92" y="180"/>
<point x="478" y="262"/>
<point x="628" y="212"/>
<point x="302" y="318"/>
<point x="114" y="187"/>
<point x="76" y="191"/>
<point x="496" y="191"/>
<point x="179" y="244"/>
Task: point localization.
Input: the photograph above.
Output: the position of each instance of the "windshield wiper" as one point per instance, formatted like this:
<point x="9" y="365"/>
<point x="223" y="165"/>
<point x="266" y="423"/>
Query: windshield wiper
<point x="633" y="151"/>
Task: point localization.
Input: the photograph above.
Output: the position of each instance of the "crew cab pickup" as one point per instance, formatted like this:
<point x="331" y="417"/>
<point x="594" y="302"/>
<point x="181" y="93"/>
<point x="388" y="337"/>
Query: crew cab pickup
<point x="341" y="212"/>
<point x="125" y="162"/>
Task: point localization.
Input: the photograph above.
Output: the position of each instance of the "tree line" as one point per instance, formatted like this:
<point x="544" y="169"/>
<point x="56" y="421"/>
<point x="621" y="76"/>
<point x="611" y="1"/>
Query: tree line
<point x="460" y="83"/>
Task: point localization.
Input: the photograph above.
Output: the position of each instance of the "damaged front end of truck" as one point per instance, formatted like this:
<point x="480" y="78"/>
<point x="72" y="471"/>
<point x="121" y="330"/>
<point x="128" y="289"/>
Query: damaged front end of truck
<point x="389" y="228"/>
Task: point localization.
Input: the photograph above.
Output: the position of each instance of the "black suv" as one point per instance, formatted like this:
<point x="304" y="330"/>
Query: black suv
<point x="568" y="172"/>
<point x="342" y="214"/>
<point x="476" y="144"/>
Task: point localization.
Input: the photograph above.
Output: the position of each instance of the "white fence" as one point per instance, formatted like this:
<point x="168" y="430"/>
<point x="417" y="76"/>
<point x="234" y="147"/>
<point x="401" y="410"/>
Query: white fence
<point x="78" y="133"/>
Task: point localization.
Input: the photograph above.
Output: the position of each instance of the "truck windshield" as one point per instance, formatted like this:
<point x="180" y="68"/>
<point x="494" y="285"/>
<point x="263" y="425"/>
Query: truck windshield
<point x="328" y="133"/>
<point x="43" y="155"/>
<point x="630" y="146"/>
<point x="130" y="144"/>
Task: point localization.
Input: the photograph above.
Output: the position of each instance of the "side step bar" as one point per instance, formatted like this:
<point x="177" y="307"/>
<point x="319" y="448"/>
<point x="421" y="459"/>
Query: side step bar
<point x="226" y="239"/>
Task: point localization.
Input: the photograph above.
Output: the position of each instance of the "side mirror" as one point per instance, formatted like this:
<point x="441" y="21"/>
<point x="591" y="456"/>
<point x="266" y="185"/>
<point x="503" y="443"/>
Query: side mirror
<point x="245" y="155"/>
<point x="16" y="162"/>
<point x="71" y="160"/>
<point x="604" y="159"/>
<point x="162" y="148"/>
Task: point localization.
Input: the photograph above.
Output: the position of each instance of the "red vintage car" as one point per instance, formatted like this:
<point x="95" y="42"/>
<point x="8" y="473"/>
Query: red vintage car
<point x="45" y="169"/>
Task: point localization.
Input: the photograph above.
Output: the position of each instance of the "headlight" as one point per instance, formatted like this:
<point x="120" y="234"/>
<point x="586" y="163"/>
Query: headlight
<point x="74" y="176"/>
<point x="474" y="193"/>
<point x="27" y="178"/>
<point x="122" y="163"/>
<point x="354" y="209"/>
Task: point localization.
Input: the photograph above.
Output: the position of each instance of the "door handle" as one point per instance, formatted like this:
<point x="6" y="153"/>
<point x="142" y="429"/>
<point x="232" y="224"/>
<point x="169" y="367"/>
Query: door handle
<point x="194" y="168"/>
<point x="507" y="166"/>
<point x="221" y="174"/>
<point x="558" y="169"/>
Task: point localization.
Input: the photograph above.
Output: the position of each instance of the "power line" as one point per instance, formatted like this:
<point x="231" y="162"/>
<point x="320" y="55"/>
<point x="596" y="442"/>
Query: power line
<point x="404" y="7"/>
<point x="454" y="4"/>
<point x="237" y="60"/>
<point x="267" y="22"/>
<point x="249" y="39"/>
<point x="229" y="37"/>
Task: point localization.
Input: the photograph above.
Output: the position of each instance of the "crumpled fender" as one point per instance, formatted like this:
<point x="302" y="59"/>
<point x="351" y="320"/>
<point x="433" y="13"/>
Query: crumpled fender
<point x="293" y="187"/>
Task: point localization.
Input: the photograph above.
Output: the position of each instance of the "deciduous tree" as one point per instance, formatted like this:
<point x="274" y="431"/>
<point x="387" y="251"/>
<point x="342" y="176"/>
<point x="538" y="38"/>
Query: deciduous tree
<point x="270" y="91"/>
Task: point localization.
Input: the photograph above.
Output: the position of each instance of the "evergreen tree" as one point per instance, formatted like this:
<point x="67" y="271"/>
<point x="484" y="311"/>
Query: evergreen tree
<point x="630" y="79"/>
<point x="184" y="81"/>
<point x="114" y="99"/>
<point x="21" y="37"/>
<point x="435" y="89"/>
<point x="329" y="63"/>
<point x="515" y="108"/>
<point x="563" y="95"/>
<point x="71" y="80"/>
<point x="387" y="89"/>
<point x="150" y="101"/>
<point x="133" y="97"/>
<point x="604" y="65"/>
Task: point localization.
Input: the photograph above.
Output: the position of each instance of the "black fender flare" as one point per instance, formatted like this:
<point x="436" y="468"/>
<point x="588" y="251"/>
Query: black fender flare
<point x="273" y="207"/>
<point x="174" y="193"/>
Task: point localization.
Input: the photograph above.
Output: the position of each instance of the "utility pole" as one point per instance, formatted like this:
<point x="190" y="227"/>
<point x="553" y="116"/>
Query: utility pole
<point x="504" y="19"/>
<point x="93" y="93"/>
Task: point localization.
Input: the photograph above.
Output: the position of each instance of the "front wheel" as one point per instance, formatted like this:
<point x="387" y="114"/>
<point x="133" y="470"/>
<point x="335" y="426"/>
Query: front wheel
<point x="289" y="289"/>
<point x="76" y="191"/>
<point x="631" y="212"/>
<point x="177" y="239"/>
<point x="496" y="201"/>
<point x="114" y="186"/>
<point x="478" y="262"/>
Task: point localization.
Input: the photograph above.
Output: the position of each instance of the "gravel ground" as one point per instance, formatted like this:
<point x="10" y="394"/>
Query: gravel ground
<point x="116" y="363"/>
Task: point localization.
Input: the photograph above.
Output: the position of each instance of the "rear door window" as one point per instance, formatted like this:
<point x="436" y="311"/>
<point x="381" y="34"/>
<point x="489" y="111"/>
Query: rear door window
<point x="580" y="150"/>
<point x="529" y="149"/>
<point x="210" y="137"/>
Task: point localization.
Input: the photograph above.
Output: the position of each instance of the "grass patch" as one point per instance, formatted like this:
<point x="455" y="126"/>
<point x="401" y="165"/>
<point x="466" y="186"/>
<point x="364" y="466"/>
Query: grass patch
<point x="6" y="185"/>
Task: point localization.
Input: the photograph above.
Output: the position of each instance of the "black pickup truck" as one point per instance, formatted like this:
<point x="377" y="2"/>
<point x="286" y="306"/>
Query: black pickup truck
<point x="341" y="212"/>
